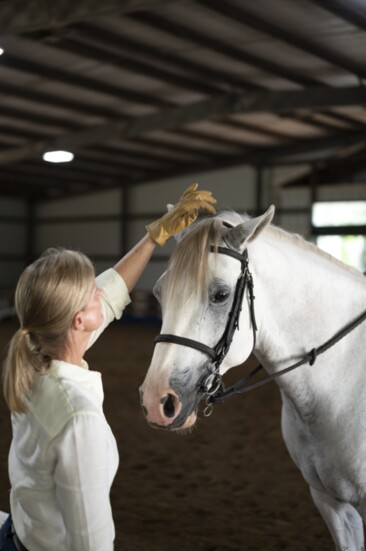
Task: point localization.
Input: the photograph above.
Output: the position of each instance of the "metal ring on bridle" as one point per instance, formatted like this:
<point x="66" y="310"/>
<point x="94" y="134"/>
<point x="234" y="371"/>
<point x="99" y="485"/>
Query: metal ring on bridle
<point x="208" y="409"/>
<point x="212" y="383"/>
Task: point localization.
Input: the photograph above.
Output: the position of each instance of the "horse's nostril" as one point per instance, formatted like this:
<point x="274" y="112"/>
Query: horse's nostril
<point x="144" y="410"/>
<point x="168" y="405"/>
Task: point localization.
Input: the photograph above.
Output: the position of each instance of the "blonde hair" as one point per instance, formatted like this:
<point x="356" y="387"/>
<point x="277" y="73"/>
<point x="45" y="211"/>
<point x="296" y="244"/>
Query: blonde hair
<point x="48" y="295"/>
<point x="187" y="273"/>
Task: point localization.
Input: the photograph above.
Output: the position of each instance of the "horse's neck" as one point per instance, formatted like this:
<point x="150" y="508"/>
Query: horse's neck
<point x="303" y="299"/>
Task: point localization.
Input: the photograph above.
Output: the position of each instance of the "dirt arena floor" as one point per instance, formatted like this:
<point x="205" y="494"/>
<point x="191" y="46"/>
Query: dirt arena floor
<point x="228" y="485"/>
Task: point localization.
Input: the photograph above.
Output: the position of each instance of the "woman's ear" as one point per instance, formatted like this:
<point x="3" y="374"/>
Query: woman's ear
<point x="78" y="322"/>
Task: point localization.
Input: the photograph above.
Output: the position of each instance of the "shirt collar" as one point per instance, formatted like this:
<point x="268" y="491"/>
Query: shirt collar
<point x="91" y="380"/>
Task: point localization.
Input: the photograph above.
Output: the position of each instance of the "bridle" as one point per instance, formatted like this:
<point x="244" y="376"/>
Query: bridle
<point x="211" y="386"/>
<point x="212" y="383"/>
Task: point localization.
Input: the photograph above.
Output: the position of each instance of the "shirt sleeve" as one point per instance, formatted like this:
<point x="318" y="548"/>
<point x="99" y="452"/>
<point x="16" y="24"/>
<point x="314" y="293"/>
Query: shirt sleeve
<point x="86" y="462"/>
<point x="114" y="299"/>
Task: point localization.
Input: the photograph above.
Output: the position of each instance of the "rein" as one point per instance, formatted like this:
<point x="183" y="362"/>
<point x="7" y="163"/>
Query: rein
<point x="212" y="385"/>
<point x="310" y="358"/>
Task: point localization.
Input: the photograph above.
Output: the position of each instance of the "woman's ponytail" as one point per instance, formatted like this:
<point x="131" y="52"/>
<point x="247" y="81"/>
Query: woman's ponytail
<point x="19" y="370"/>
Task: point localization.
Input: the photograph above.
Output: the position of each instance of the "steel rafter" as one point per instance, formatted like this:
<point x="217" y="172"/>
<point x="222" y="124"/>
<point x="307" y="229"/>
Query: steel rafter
<point x="17" y="16"/>
<point x="188" y="114"/>
<point x="354" y="13"/>
<point x="249" y="19"/>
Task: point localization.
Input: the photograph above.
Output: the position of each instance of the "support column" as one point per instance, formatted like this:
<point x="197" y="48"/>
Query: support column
<point x="125" y="212"/>
<point x="259" y="190"/>
<point x="31" y="232"/>
<point x="313" y="196"/>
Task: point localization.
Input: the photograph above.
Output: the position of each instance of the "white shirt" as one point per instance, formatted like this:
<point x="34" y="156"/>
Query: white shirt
<point x="63" y="455"/>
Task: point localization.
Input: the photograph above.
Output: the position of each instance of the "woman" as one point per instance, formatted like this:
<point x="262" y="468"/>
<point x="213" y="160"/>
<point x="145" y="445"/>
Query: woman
<point x="63" y="456"/>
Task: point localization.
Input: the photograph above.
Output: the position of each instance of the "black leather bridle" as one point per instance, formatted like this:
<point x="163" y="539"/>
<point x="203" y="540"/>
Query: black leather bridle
<point x="212" y="383"/>
<point x="211" y="386"/>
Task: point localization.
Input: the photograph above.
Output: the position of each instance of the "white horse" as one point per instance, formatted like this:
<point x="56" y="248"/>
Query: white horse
<point x="303" y="297"/>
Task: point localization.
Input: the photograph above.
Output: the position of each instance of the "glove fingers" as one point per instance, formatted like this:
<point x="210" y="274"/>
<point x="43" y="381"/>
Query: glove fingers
<point x="208" y="207"/>
<point x="205" y="203"/>
<point x="204" y="196"/>
<point x="192" y="188"/>
<point x="196" y="198"/>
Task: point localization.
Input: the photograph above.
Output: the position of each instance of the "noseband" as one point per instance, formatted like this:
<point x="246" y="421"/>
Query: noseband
<point x="212" y="383"/>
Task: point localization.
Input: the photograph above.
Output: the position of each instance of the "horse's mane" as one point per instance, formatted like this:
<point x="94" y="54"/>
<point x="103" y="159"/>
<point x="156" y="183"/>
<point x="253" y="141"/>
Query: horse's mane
<point x="298" y="240"/>
<point x="187" y="272"/>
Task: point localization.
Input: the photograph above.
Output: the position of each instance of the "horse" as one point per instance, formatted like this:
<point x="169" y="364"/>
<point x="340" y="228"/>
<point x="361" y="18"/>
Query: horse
<point x="303" y="299"/>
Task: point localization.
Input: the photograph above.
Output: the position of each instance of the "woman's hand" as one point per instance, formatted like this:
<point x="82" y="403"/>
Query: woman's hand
<point x="182" y="214"/>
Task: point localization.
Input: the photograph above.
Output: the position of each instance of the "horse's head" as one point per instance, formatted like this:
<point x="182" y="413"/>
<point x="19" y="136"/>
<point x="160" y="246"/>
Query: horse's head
<point x="196" y="294"/>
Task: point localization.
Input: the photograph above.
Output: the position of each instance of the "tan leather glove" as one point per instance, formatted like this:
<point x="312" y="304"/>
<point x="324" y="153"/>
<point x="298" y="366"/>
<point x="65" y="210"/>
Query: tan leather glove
<point x="182" y="214"/>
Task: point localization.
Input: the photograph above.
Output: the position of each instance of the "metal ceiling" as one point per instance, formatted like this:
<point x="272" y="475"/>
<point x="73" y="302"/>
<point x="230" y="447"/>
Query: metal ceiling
<point x="142" y="90"/>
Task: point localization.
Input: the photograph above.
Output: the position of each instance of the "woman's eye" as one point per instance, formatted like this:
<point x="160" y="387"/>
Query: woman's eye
<point x="220" y="296"/>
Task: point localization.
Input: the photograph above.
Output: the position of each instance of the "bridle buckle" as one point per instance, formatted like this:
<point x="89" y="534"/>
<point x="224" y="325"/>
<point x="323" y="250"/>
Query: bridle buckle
<point x="212" y="383"/>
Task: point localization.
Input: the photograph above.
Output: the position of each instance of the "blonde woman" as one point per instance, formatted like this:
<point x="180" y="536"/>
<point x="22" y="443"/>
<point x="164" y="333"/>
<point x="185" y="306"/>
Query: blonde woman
<point x="63" y="456"/>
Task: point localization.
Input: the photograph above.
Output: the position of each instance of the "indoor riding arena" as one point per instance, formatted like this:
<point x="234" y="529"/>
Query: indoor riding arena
<point x="109" y="111"/>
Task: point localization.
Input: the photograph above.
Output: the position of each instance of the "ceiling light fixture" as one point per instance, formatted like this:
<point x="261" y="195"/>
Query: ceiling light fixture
<point x="1" y="51"/>
<point x="58" y="156"/>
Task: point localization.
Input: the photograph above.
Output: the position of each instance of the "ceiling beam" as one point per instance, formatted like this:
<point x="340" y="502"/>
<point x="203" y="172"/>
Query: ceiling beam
<point x="265" y="157"/>
<point x="222" y="47"/>
<point x="17" y="16"/>
<point x="354" y="13"/>
<point x="210" y="81"/>
<point x="244" y="16"/>
<point x="50" y="72"/>
<point x="173" y="118"/>
<point x="135" y="49"/>
<point x="205" y="40"/>
<point x="309" y="151"/>
<point x="338" y="170"/>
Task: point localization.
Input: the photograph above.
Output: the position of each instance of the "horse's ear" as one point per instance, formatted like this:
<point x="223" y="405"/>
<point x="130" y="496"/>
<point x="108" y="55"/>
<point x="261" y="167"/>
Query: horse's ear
<point x="242" y="234"/>
<point x="178" y="237"/>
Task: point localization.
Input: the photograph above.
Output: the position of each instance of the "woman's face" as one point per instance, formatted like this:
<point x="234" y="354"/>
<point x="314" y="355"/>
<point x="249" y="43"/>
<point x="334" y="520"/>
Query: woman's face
<point x="91" y="313"/>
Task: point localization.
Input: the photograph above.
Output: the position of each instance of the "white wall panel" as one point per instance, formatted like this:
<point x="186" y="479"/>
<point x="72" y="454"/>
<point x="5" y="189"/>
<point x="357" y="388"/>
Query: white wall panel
<point x="89" y="237"/>
<point x="9" y="274"/>
<point x="294" y="198"/>
<point x="12" y="238"/>
<point x="233" y="188"/>
<point x="152" y="273"/>
<point x="345" y="192"/>
<point x="12" y="207"/>
<point x="101" y="203"/>
<point x="296" y="223"/>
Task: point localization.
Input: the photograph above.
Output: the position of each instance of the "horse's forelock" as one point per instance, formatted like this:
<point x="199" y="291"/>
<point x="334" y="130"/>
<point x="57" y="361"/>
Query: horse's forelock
<point x="187" y="273"/>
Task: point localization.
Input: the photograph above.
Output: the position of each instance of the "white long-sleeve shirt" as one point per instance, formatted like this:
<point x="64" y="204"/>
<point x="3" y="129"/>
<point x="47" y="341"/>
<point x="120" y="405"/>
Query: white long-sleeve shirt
<point x="63" y="456"/>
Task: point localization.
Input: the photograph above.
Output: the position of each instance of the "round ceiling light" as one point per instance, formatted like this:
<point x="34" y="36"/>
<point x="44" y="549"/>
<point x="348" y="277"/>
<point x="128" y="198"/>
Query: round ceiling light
<point x="58" y="156"/>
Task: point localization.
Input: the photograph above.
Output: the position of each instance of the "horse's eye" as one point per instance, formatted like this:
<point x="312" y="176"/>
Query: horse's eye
<point x="220" y="296"/>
